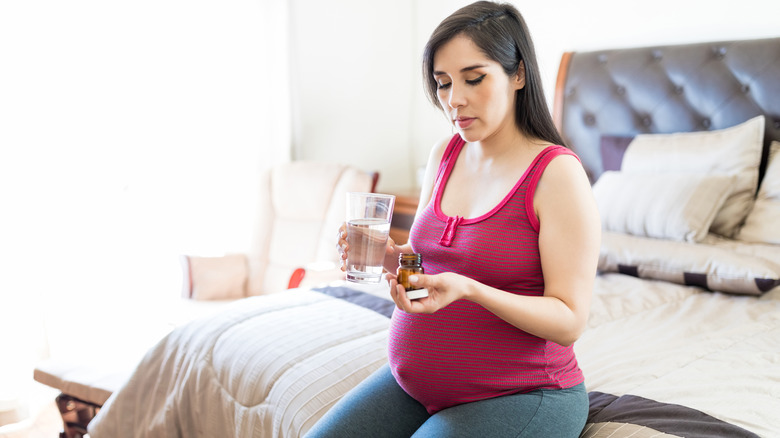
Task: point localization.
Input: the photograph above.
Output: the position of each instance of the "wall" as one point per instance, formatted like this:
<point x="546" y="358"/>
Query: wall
<point x="352" y="83"/>
<point x="378" y="118"/>
<point x="130" y="133"/>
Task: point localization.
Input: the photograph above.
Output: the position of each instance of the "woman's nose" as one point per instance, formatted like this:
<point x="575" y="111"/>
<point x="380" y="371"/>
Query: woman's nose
<point x="457" y="97"/>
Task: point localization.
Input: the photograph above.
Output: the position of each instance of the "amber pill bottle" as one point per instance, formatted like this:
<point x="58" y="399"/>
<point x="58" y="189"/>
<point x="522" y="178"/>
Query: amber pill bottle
<point x="409" y="264"/>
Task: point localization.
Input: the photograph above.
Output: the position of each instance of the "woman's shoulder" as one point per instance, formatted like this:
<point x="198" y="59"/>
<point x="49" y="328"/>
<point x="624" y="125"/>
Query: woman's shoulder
<point x="563" y="169"/>
<point x="554" y="153"/>
<point x="440" y="147"/>
<point x="432" y="170"/>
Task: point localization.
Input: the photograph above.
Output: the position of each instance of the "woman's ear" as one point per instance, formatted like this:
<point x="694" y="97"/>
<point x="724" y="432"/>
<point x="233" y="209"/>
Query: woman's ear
<point x="520" y="77"/>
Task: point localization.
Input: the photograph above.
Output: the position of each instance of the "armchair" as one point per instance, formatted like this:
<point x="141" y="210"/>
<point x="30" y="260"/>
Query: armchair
<point x="301" y="205"/>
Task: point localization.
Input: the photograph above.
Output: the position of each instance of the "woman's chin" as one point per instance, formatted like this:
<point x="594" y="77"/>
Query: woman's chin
<point x="469" y="135"/>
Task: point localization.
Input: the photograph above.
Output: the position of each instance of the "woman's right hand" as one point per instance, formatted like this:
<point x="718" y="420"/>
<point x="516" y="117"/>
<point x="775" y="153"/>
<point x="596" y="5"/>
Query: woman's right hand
<point x="342" y="246"/>
<point x="391" y="250"/>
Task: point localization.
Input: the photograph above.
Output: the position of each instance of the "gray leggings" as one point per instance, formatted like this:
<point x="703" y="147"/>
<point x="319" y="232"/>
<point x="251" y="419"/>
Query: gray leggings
<point x="378" y="407"/>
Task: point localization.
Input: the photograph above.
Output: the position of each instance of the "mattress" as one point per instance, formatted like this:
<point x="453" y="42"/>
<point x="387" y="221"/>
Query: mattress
<point x="658" y="357"/>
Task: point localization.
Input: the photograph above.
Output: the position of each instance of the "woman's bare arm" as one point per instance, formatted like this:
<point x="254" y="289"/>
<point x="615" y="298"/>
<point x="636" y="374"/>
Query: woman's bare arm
<point x="569" y="239"/>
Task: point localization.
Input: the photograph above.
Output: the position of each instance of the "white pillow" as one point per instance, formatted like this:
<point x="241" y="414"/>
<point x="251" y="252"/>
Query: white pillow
<point x="675" y="206"/>
<point x="723" y="268"/>
<point x="763" y="223"/>
<point x="734" y="151"/>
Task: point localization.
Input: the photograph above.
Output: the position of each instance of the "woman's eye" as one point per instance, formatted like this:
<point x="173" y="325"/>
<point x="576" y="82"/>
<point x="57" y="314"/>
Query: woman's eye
<point x="475" y="81"/>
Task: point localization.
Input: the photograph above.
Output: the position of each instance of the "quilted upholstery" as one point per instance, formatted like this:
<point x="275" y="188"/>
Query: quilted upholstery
<point x="683" y="88"/>
<point x="300" y="207"/>
<point x="306" y="203"/>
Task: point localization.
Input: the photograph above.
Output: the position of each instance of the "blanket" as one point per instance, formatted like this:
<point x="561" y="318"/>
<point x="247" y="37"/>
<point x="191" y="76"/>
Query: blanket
<point x="660" y="359"/>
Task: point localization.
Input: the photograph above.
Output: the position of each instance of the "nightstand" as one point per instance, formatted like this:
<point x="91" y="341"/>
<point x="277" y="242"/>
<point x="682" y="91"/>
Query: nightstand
<point x="403" y="215"/>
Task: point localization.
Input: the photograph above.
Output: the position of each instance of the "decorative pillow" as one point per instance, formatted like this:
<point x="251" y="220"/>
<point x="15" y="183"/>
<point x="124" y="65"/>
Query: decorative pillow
<point x="762" y="250"/>
<point x="708" y="266"/>
<point x="763" y="222"/>
<point x="215" y="278"/>
<point x="676" y="206"/>
<point x="612" y="149"/>
<point x="733" y="151"/>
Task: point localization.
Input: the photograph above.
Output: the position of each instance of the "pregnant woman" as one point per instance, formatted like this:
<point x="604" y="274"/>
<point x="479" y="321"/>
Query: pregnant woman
<point x="509" y="234"/>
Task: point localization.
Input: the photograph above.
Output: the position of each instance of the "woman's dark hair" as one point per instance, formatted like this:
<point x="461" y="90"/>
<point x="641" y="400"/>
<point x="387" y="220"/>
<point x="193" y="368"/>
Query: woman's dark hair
<point x="500" y="32"/>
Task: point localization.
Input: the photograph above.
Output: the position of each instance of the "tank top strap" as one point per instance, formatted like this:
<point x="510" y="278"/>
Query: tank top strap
<point x="535" y="174"/>
<point x="448" y="159"/>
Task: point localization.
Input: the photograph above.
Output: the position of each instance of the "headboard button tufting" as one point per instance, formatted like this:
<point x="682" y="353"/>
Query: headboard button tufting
<point x="666" y="88"/>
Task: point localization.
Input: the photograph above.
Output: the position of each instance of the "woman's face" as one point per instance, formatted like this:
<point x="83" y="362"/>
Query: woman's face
<point x="474" y="90"/>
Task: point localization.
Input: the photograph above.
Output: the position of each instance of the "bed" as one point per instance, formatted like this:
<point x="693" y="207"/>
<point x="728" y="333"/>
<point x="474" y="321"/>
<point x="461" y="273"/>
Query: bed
<point x="681" y="144"/>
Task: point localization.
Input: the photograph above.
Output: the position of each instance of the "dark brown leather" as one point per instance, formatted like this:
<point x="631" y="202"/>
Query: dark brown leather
<point x="76" y="415"/>
<point x="664" y="89"/>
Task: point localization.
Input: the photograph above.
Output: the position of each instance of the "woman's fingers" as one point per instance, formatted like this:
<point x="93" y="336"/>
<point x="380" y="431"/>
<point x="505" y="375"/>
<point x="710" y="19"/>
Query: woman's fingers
<point x="341" y="245"/>
<point x="398" y="293"/>
<point x="341" y="236"/>
<point x="420" y="281"/>
<point x="391" y="280"/>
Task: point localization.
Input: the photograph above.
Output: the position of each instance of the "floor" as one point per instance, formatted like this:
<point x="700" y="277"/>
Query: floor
<point x="46" y="424"/>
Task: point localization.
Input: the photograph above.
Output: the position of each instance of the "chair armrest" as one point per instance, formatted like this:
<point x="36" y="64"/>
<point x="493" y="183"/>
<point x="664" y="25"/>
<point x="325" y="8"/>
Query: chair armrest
<point x="296" y="277"/>
<point x="316" y="274"/>
<point x="214" y="278"/>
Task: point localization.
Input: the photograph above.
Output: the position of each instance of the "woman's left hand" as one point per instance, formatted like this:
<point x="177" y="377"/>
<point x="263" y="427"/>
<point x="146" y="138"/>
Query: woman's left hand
<point x="443" y="289"/>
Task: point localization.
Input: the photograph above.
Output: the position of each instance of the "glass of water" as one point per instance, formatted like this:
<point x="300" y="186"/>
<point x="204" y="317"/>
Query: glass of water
<point x="368" y="224"/>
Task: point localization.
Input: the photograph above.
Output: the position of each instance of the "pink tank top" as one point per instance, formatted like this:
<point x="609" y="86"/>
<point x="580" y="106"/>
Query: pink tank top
<point x="464" y="353"/>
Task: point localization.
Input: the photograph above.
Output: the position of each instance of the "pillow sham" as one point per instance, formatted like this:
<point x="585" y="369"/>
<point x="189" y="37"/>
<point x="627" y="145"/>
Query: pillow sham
<point x="762" y="250"/>
<point x="711" y="267"/>
<point x="734" y="151"/>
<point x="676" y="206"/>
<point x="763" y="222"/>
<point x="215" y="278"/>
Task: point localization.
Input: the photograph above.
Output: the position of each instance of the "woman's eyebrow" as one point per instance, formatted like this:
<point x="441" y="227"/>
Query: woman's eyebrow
<point x="463" y="70"/>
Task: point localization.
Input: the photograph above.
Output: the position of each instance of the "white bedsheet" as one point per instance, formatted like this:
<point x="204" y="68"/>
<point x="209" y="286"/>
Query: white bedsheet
<point x="271" y="366"/>
<point x="716" y="353"/>
<point x="266" y="367"/>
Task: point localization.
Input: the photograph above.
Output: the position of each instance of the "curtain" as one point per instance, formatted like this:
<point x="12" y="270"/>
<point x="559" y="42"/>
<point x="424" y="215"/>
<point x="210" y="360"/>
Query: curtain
<point x="131" y="132"/>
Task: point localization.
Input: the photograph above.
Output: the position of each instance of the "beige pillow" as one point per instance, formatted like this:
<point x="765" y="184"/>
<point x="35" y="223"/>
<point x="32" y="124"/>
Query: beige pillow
<point x="676" y="206"/>
<point x="763" y="223"/>
<point x="734" y="151"/>
<point x="721" y="268"/>
<point x="215" y="278"/>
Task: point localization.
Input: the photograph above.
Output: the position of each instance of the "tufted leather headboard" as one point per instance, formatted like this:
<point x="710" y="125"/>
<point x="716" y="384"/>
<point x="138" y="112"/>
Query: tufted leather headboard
<point x="664" y="89"/>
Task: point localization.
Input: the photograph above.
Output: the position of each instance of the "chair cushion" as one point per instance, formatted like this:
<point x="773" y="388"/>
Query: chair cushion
<point x="298" y="216"/>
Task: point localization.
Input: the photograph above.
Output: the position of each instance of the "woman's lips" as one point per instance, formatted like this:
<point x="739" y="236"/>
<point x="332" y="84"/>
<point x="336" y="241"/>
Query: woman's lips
<point x="464" y="122"/>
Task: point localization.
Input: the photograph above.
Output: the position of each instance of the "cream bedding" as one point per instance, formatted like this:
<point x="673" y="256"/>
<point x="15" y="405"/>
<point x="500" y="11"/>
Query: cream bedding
<point x="673" y="344"/>
<point x="271" y="366"/>
<point x="265" y="367"/>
